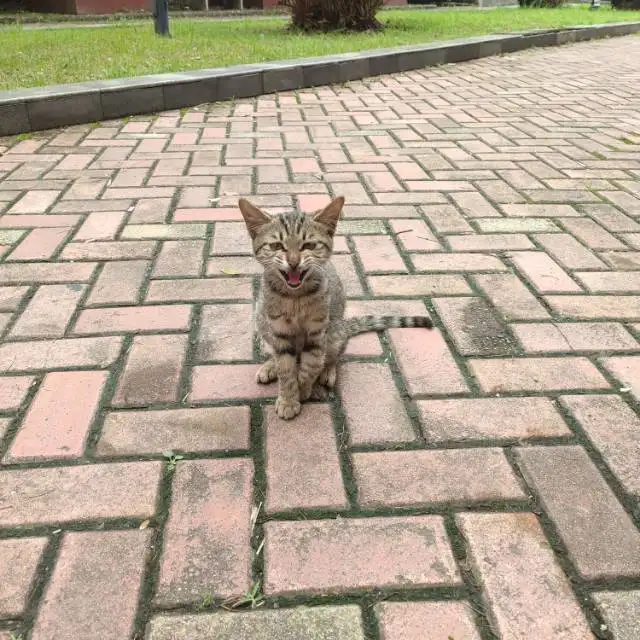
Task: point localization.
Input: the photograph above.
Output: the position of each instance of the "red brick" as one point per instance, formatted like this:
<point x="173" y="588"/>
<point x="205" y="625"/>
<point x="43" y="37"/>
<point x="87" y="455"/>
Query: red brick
<point x="409" y="171"/>
<point x="85" y="188"/>
<point x="626" y="369"/>
<point x="439" y="185"/>
<point x="116" y="250"/>
<point x="537" y="374"/>
<point x="153" y="318"/>
<point x="228" y="382"/>
<point x="502" y="418"/>
<point x="610" y="218"/>
<point x="30" y="221"/>
<point x="404" y="198"/>
<point x="517" y="570"/>
<point x="445" y="218"/>
<point x="341" y="622"/>
<point x="418" y="285"/>
<point x="94" y="587"/>
<point x="465" y="262"/>
<point x="207" y="536"/>
<point x="414" y="235"/>
<point x="610" y="281"/>
<point x="568" y="251"/>
<point x="40" y="244"/>
<point x="600" y="537"/>
<point x="150" y="210"/>
<point x="489" y="242"/>
<point x="35" y="201"/>
<point x="544" y="274"/>
<point x="13" y="391"/>
<point x="302" y="462"/>
<point x="152" y="371"/>
<point x="309" y="203"/>
<point x="19" y="560"/>
<point x="475" y="327"/>
<point x="599" y="307"/>
<point x="195" y="290"/>
<point x="226" y="332"/>
<point x="12" y="297"/>
<point x="100" y="225"/>
<point x="414" y="478"/>
<point x="233" y="265"/>
<point x="59" y="354"/>
<point x="409" y="620"/>
<point x="231" y="238"/>
<point x="119" y="283"/>
<point x="202" y="214"/>
<point x="304" y="165"/>
<point x="153" y="432"/>
<point x="363" y="553"/>
<point x="45" y="273"/>
<point x="373" y="418"/>
<point x="49" y="312"/>
<point x="511" y="297"/>
<point x="379" y="211"/>
<point x="77" y="493"/>
<point x="540" y="210"/>
<point x="60" y="416"/>
<point x="382" y="180"/>
<point x="621" y="612"/>
<point x="515" y="225"/>
<point x="612" y="426"/>
<point x="592" y="234"/>
<point x="347" y="272"/>
<point x="425" y="361"/>
<point x="629" y="260"/>
<point x="574" y="336"/>
<point x="163" y="231"/>
<point x="378" y="253"/>
<point x="474" y="205"/>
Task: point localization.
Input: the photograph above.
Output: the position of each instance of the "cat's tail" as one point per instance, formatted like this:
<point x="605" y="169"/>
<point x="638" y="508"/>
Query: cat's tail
<point x="363" y="324"/>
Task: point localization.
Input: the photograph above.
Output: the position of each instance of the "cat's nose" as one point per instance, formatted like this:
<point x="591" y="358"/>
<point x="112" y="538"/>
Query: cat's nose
<point x="293" y="260"/>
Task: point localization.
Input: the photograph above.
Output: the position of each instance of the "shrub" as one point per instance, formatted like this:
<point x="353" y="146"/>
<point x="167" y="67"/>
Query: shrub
<point x="334" y="15"/>
<point x="541" y="4"/>
<point x="625" y="4"/>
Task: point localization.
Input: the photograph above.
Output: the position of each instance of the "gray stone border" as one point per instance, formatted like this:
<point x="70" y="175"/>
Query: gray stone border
<point x="61" y="105"/>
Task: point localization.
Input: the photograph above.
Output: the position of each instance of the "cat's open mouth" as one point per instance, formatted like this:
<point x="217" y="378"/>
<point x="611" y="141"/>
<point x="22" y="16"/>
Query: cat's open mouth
<point x="294" y="278"/>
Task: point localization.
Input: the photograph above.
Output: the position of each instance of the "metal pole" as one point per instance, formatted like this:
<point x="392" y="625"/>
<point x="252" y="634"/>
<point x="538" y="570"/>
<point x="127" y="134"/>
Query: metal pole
<point x="161" y="17"/>
<point x="595" y="4"/>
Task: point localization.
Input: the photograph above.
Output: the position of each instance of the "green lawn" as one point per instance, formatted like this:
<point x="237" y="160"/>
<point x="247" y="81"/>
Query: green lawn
<point x="54" y="56"/>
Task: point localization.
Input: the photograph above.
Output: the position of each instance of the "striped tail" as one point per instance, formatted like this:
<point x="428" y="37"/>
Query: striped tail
<point x="363" y="324"/>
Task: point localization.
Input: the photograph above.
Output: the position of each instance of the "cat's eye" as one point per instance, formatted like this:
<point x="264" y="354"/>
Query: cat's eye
<point x="309" y="246"/>
<point x="276" y="246"/>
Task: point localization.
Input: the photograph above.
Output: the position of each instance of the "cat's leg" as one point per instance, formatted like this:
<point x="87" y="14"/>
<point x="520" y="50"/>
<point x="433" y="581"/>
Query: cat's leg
<point x="288" y="400"/>
<point x="336" y="342"/>
<point x="311" y="363"/>
<point x="268" y="372"/>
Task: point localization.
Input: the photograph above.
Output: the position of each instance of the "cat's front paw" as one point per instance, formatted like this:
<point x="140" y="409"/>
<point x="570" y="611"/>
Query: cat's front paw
<point x="287" y="409"/>
<point x="267" y="373"/>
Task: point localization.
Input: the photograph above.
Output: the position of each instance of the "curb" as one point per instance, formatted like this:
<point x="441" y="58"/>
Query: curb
<point x="62" y="105"/>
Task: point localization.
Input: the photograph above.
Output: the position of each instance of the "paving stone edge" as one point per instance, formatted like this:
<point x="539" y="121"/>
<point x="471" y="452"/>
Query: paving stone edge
<point x="62" y="105"/>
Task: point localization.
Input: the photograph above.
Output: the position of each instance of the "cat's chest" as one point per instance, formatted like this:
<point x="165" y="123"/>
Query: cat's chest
<point x="298" y="316"/>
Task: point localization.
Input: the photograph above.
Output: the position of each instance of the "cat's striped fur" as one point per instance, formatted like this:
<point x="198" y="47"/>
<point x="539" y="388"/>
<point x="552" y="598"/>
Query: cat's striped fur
<point x="301" y="304"/>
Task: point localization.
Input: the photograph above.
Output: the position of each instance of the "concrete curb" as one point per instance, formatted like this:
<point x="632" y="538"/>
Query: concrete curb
<point x="61" y="105"/>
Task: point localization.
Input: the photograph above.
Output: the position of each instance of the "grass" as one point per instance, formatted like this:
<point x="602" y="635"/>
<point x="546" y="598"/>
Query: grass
<point x="30" y="58"/>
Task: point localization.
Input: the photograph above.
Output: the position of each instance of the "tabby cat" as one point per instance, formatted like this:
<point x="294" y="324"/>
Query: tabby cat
<point x="300" y="307"/>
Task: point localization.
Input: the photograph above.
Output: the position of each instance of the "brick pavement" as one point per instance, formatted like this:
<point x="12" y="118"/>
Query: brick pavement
<point x="478" y="481"/>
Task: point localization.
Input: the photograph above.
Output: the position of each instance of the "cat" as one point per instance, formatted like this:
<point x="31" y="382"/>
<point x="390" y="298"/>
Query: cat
<point x="301" y="303"/>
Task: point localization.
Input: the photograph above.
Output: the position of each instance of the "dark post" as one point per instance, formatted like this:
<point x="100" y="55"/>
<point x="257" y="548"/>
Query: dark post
<point x="161" y="17"/>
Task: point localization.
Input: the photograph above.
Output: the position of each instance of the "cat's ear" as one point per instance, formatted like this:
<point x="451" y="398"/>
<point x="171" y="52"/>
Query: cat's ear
<point x="254" y="218"/>
<point x="330" y="215"/>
